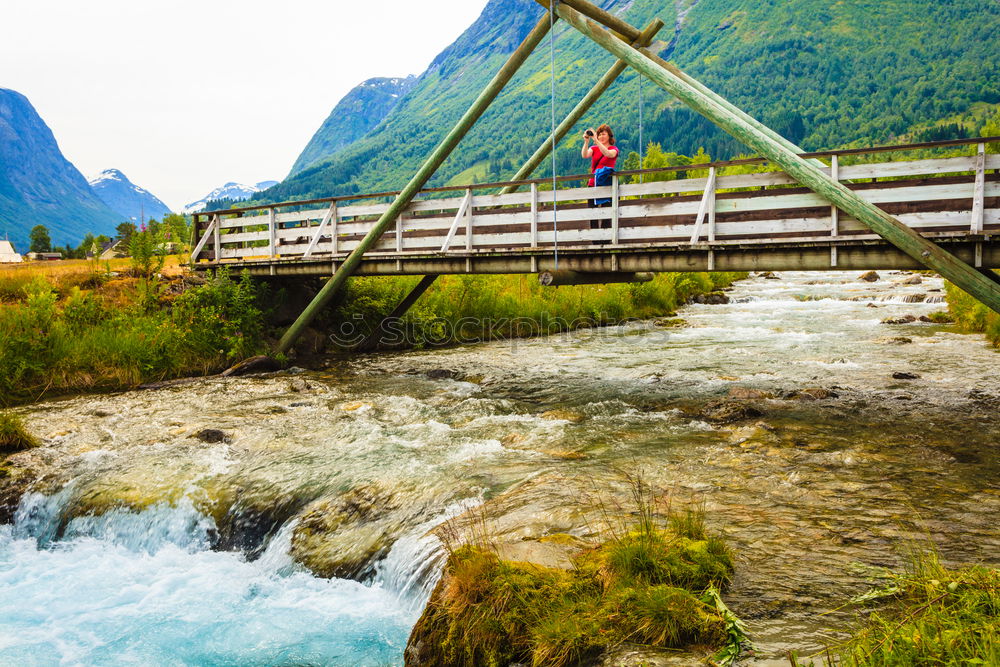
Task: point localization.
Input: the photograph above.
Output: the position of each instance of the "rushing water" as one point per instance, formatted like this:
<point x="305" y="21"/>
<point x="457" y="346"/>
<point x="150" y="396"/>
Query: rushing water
<point x="192" y="565"/>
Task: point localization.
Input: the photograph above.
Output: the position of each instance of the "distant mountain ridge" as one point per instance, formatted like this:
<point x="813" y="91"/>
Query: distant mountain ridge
<point x="38" y="185"/>
<point x="230" y="191"/>
<point x="127" y="199"/>
<point x="822" y="74"/>
<point x="355" y="115"/>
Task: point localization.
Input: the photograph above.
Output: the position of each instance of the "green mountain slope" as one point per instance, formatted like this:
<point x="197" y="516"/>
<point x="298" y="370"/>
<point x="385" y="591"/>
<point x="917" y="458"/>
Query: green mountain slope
<point x="823" y="74"/>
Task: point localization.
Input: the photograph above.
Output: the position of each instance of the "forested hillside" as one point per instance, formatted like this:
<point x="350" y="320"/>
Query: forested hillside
<point x="824" y="74"/>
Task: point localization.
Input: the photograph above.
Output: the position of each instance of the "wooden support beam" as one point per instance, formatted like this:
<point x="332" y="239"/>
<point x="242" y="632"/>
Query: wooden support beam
<point x="567" y="277"/>
<point x="459" y="215"/>
<point x="978" y="191"/>
<point x="583" y="106"/>
<point x="909" y="241"/>
<point x="209" y="233"/>
<point x="707" y="199"/>
<point x="430" y="166"/>
<point x="331" y="214"/>
<point x="384" y="327"/>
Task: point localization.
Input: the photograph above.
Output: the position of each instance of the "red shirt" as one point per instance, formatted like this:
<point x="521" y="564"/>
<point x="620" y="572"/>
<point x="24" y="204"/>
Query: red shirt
<point x="598" y="160"/>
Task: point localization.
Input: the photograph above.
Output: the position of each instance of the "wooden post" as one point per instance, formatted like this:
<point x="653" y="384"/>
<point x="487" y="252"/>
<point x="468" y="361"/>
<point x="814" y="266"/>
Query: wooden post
<point x="428" y="169"/>
<point x="272" y="246"/>
<point x="712" y="179"/>
<point x="468" y="221"/>
<point x="543" y="150"/>
<point x="614" y="209"/>
<point x="216" y="240"/>
<point x="883" y="224"/>
<point x="331" y="214"/>
<point x="399" y="233"/>
<point x="979" y="190"/>
<point x="834" y="211"/>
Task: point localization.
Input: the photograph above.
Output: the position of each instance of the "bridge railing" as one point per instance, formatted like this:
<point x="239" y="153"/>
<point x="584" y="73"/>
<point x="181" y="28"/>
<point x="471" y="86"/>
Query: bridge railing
<point x="943" y="196"/>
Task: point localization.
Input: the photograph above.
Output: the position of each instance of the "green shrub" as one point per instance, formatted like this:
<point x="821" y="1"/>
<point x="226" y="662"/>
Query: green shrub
<point x="14" y="435"/>
<point x="971" y="315"/>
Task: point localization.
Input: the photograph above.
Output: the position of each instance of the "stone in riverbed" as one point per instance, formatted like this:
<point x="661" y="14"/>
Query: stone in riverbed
<point x="912" y="280"/>
<point x="563" y="414"/>
<point x="212" y="435"/>
<point x="712" y="298"/>
<point x="905" y="319"/>
<point x="869" y="277"/>
<point x="811" y="394"/>
<point x="748" y="393"/>
<point x="903" y="375"/>
<point x="730" y="411"/>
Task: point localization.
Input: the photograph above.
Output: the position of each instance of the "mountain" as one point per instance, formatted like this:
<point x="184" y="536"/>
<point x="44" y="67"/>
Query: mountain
<point x="230" y="192"/>
<point x="355" y="115"/>
<point x="125" y="198"/>
<point x="40" y="186"/>
<point x="823" y="74"/>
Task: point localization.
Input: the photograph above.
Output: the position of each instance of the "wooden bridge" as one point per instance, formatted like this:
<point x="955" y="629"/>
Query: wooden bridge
<point x="715" y="222"/>
<point x="940" y="214"/>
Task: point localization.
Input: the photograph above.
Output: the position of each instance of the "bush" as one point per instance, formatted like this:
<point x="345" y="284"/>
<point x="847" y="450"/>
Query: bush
<point x="971" y="315"/>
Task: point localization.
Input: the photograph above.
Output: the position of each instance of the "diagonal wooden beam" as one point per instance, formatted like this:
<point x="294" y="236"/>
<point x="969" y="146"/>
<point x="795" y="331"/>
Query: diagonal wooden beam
<point x="892" y="230"/>
<point x="430" y="166"/>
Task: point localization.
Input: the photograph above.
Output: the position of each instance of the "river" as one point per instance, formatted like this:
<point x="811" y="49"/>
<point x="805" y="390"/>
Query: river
<point x="147" y="540"/>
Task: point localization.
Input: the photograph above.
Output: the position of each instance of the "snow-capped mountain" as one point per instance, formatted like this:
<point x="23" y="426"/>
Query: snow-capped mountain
<point x="126" y="198"/>
<point x="234" y="191"/>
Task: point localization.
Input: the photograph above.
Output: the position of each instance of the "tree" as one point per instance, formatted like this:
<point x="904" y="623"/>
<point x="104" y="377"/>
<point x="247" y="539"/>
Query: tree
<point x="40" y="240"/>
<point x="125" y="231"/>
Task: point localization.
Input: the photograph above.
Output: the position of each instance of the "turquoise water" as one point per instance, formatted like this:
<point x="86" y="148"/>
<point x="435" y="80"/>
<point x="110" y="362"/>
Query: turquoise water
<point x="143" y="589"/>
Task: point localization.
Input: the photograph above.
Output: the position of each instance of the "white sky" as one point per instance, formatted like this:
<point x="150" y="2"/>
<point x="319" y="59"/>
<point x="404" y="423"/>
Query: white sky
<point x="184" y="95"/>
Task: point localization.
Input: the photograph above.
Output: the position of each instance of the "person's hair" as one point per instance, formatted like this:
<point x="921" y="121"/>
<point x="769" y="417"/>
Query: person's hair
<point x="611" y="135"/>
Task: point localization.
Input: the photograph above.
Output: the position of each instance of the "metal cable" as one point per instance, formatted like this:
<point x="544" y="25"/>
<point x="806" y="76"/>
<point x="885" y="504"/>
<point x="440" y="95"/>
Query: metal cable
<point x="552" y="82"/>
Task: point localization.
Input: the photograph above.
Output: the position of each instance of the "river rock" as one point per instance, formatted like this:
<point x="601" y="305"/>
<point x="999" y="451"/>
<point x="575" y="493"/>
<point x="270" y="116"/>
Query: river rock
<point x="669" y="322"/>
<point x="298" y="385"/>
<point x="895" y="340"/>
<point x="729" y="411"/>
<point x="768" y="275"/>
<point x="712" y="298"/>
<point x="748" y="393"/>
<point x="912" y="280"/>
<point x="811" y="394"/>
<point x="563" y="414"/>
<point x="259" y="364"/>
<point x="869" y="277"/>
<point x="442" y="374"/>
<point x="212" y="435"/>
<point x="902" y="375"/>
<point x="341" y="537"/>
<point x="905" y="319"/>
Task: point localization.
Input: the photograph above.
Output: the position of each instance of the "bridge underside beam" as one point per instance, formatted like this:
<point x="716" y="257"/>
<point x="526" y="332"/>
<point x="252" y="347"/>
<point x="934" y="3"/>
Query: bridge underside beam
<point x="749" y="133"/>
<point x="814" y="256"/>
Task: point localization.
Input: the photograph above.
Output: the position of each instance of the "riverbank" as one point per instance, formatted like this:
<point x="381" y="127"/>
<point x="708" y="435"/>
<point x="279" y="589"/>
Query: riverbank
<point x="972" y="316"/>
<point x="72" y="327"/>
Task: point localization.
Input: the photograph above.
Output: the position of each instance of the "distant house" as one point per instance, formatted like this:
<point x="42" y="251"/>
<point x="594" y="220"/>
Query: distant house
<point x="7" y="254"/>
<point x="43" y="256"/>
<point x="113" y="249"/>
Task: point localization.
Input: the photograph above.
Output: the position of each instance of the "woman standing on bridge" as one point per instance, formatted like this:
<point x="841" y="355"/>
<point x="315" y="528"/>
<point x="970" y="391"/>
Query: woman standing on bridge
<point x="603" y="155"/>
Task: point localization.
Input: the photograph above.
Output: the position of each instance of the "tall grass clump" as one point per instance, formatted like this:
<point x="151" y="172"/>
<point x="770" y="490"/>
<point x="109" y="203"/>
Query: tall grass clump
<point x="971" y="315"/>
<point x="14" y="435"/>
<point x="934" y="616"/>
<point x="646" y="585"/>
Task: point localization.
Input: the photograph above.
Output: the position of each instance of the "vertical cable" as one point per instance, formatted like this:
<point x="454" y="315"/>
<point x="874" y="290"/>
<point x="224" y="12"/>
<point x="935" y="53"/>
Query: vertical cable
<point x="641" y="106"/>
<point x="552" y="86"/>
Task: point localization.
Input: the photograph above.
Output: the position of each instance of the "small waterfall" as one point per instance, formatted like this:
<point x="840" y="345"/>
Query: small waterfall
<point x="413" y="565"/>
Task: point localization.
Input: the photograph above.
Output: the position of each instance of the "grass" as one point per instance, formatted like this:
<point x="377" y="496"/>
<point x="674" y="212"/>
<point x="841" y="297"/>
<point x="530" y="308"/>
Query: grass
<point x="647" y="584"/>
<point x="927" y="615"/>
<point x="471" y="308"/>
<point x="971" y="315"/>
<point x="936" y="616"/>
<point x="14" y="435"/>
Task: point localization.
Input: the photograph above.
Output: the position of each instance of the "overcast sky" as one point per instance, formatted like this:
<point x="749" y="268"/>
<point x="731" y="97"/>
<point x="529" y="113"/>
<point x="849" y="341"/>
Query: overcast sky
<point x="185" y="95"/>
